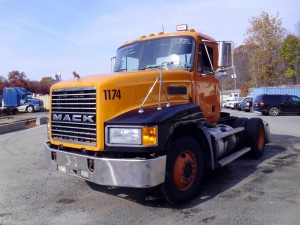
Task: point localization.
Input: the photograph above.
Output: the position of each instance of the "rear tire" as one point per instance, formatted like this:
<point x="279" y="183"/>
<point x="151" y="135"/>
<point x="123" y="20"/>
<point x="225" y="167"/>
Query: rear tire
<point x="14" y="111"/>
<point x="241" y="122"/>
<point x="255" y="133"/>
<point x="184" y="170"/>
<point x="274" y="111"/>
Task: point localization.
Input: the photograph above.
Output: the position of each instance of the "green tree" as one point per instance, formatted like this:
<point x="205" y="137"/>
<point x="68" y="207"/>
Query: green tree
<point x="290" y="53"/>
<point x="264" y="39"/>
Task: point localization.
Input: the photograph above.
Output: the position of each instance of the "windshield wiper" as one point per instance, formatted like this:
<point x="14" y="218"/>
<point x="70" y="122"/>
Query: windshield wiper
<point x="150" y="67"/>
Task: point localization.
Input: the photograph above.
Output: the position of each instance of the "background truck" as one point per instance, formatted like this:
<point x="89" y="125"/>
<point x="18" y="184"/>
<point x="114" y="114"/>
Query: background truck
<point x="155" y="122"/>
<point x="16" y="99"/>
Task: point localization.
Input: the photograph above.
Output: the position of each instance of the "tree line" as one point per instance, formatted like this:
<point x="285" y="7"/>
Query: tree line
<point x="270" y="56"/>
<point x="19" y="79"/>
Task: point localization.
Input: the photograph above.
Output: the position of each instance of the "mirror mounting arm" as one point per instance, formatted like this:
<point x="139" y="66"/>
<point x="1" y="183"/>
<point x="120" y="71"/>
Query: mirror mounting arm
<point x="172" y="64"/>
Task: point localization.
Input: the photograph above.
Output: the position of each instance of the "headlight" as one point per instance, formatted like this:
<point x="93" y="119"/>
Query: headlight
<point x="142" y="136"/>
<point x="125" y="136"/>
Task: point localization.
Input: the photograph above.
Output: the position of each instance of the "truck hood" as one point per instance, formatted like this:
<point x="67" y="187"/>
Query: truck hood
<point x="116" y="94"/>
<point x="121" y="92"/>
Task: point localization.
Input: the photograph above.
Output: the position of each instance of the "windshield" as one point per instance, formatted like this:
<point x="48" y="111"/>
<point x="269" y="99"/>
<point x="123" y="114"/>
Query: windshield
<point x="151" y="54"/>
<point x="26" y="96"/>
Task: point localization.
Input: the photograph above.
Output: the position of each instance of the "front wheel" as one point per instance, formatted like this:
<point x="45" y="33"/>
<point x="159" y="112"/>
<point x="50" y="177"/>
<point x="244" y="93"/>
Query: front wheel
<point x="30" y="108"/>
<point x="184" y="170"/>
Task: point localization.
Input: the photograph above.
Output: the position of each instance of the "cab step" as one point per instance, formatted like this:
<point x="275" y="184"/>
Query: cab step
<point x="234" y="156"/>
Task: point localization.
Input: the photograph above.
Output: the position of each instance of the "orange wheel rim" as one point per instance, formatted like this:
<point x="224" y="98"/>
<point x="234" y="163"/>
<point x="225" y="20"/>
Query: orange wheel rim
<point x="261" y="138"/>
<point x="185" y="170"/>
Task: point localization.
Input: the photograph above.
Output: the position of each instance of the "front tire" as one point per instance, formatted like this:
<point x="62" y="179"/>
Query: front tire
<point x="184" y="170"/>
<point x="30" y="109"/>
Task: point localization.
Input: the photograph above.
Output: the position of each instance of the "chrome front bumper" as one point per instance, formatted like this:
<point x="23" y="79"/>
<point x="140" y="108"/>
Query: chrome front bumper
<point x="139" y="173"/>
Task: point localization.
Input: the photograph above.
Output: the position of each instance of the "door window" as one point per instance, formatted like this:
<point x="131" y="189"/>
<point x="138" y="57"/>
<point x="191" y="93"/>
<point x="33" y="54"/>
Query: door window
<point x="286" y="99"/>
<point x="204" y="65"/>
<point x="295" y="99"/>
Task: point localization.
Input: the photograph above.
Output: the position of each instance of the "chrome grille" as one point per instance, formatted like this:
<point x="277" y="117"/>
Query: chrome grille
<point x="74" y="115"/>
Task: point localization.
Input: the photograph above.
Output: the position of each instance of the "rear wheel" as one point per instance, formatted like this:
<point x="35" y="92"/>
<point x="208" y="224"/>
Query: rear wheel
<point x="184" y="170"/>
<point x="255" y="133"/>
<point x="274" y="111"/>
<point x="241" y="122"/>
<point x="14" y="111"/>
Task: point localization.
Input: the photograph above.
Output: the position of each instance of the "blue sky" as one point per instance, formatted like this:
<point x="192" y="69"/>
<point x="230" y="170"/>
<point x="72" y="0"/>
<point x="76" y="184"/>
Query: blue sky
<point x="41" y="37"/>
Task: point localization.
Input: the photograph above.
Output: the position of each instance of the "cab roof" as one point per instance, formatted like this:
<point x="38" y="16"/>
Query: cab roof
<point x="191" y="33"/>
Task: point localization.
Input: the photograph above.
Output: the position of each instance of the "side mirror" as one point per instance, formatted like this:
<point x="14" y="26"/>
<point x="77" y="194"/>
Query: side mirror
<point x="225" y="54"/>
<point x="173" y="62"/>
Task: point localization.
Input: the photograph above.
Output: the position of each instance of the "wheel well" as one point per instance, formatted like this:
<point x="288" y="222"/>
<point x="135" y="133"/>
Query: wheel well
<point x="276" y="106"/>
<point x="193" y="131"/>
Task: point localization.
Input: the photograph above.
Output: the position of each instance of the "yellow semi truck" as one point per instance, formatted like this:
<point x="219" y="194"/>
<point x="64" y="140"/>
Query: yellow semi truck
<point x="156" y="121"/>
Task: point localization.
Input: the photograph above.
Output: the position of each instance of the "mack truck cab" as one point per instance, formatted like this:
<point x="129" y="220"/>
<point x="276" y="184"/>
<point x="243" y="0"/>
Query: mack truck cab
<point x="155" y="121"/>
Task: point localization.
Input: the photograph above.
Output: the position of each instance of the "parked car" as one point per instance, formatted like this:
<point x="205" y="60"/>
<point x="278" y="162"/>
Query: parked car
<point x="238" y="104"/>
<point x="226" y="104"/>
<point x="276" y="104"/>
<point x="246" y="105"/>
<point x="232" y="104"/>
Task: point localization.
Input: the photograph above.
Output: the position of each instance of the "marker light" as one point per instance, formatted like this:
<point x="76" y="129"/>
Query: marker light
<point x="182" y="27"/>
<point x="149" y="136"/>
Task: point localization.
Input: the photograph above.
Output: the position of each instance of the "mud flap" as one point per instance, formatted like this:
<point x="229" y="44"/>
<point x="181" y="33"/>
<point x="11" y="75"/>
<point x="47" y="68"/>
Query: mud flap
<point x="267" y="132"/>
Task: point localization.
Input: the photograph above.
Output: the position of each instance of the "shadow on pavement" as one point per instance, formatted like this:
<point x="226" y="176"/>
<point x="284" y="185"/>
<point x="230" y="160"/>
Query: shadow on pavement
<point x="218" y="182"/>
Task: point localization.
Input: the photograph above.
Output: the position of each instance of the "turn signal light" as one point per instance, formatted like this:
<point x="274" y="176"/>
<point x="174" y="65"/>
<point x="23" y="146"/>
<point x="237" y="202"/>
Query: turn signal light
<point x="149" y="135"/>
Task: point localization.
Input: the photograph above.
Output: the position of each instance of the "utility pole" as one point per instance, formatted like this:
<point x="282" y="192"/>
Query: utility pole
<point x="233" y="76"/>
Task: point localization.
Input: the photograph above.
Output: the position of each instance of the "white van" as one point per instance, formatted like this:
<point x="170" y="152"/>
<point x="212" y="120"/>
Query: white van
<point x="233" y="96"/>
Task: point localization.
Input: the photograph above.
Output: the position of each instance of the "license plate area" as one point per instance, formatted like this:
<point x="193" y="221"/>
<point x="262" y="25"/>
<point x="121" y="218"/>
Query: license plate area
<point x="73" y="165"/>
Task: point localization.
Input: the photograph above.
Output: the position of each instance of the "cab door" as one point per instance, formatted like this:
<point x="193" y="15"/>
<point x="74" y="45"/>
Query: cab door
<point x="207" y="89"/>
